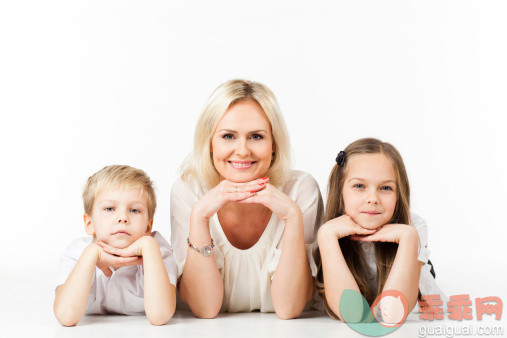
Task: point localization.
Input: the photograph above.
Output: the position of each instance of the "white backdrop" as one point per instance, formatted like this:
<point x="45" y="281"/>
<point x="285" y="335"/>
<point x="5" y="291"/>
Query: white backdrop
<point x="92" y="83"/>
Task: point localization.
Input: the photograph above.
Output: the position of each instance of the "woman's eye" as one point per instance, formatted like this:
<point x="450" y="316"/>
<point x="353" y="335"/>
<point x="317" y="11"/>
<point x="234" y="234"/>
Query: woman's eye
<point x="359" y="186"/>
<point x="228" y="137"/>
<point x="135" y="211"/>
<point x="257" y="137"/>
<point x="109" y="209"/>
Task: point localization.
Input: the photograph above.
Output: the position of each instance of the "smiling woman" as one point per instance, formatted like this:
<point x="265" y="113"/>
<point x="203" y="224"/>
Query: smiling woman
<point x="243" y="224"/>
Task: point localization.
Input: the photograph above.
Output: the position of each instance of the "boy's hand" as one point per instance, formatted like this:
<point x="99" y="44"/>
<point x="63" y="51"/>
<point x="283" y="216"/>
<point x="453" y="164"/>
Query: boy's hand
<point x="133" y="251"/>
<point x="106" y="260"/>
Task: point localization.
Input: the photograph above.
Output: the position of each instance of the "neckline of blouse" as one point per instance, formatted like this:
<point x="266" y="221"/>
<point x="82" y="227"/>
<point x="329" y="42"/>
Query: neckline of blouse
<point x="253" y="247"/>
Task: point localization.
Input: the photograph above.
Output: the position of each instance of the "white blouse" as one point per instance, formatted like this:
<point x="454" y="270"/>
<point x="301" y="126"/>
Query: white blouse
<point x="247" y="274"/>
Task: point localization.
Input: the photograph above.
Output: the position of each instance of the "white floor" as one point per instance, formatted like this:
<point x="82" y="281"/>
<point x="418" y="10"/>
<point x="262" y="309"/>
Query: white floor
<point x="26" y="311"/>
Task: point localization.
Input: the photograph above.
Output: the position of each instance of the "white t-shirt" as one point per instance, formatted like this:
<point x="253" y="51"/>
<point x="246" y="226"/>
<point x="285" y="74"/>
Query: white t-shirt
<point x="247" y="274"/>
<point x="121" y="293"/>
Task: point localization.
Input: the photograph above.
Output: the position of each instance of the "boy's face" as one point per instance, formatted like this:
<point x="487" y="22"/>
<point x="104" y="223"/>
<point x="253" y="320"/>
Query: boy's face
<point x="119" y="217"/>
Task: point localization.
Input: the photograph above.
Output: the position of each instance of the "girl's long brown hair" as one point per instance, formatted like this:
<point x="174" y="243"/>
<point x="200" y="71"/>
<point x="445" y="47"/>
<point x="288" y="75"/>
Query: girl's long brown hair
<point x="352" y="251"/>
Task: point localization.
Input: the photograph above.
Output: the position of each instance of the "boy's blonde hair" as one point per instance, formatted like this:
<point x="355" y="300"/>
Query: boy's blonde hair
<point x="199" y="164"/>
<point x="118" y="177"/>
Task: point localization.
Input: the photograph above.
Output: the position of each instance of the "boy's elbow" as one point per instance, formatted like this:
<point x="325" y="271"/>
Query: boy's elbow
<point x="67" y="317"/>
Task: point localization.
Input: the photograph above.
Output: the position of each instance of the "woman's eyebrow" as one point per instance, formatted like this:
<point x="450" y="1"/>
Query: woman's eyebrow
<point x="250" y="132"/>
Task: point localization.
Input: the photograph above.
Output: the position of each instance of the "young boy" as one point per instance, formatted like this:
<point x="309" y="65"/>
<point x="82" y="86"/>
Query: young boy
<point x="124" y="268"/>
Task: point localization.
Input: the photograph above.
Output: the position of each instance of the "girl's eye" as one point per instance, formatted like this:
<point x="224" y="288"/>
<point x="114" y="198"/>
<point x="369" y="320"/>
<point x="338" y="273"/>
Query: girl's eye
<point x="228" y="137"/>
<point x="135" y="211"/>
<point x="257" y="137"/>
<point x="109" y="209"/>
<point x="386" y="188"/>
<point x="359" y="186"/>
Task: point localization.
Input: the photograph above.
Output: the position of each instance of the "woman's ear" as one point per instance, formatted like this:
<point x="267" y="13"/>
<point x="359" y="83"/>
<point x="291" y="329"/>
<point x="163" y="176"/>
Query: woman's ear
<point x="89" y="228"/>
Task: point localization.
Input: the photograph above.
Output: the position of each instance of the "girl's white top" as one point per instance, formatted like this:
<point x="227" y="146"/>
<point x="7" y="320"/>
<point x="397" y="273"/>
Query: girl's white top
<point x="247" y="274"/>
<point x="121" y="293"/>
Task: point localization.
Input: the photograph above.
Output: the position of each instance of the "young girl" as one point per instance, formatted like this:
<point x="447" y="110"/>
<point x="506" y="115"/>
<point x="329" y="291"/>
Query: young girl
<point x="370" y="242"/>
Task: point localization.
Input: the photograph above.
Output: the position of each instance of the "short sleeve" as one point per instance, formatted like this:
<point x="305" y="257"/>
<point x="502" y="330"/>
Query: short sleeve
<point x="183" y="198"/>
<point x="69" y="258"/>
<point x="167" y="257"/>
<point x="306" y="193"/>
<point x="422" y="229"/>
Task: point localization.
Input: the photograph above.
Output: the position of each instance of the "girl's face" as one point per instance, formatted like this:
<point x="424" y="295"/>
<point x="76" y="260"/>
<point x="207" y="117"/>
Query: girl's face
<point x="242" y="145"/>
<point x="370" y="191"/>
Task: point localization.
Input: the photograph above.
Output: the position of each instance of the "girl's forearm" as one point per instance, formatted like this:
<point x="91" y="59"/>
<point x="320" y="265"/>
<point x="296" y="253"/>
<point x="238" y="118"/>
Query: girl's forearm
<point x="406" y="269"/>
<point x="72" y="297"/>
<point x="337" y="276"/>
<point x="159" y="293"/>
<point x="292" y="285"/>
<point x="201" y="285"/>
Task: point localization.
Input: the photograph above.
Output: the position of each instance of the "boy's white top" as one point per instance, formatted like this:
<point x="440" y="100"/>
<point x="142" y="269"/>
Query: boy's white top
<point x="247" y="274"/>
<point x="427" y="283"/>
<point x="121" y="293"/>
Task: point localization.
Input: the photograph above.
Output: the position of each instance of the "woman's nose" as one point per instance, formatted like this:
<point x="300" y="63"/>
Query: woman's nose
<point x="242" y="147"/>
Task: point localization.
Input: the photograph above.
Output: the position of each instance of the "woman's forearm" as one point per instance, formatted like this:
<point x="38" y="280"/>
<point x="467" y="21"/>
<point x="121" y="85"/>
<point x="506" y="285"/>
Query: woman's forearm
<point x="292" y="285"/>
<point x="201" y="285"/>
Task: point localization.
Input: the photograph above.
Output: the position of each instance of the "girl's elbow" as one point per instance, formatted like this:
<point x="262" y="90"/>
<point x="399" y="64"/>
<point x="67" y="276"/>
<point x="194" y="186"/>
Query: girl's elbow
<point x="289" y="312"/>
<point x="159" y="319"/>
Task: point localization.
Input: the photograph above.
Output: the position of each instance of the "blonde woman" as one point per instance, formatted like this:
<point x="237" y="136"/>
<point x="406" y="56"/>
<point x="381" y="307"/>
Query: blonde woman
<point x="243" y="224"/>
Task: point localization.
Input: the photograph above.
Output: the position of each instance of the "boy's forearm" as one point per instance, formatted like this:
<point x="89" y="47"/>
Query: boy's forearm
<point x="159" y="293"/>
<point x="72" y="297"/>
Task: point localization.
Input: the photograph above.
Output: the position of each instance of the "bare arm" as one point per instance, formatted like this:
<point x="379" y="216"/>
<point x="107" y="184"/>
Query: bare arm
<point x="201" y="285"/>
<point x="406" y="269"/>
<point x="337" y="275"/>
<point x="159" y="293"/>
<point x="292" y="285"/>
<point x="72" y="296"/>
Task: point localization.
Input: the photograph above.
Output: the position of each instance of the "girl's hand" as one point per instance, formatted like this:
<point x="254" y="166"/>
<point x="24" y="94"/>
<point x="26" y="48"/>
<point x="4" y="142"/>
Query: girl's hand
<point x="275" y="200"/>
<point x="106" y="260"/>
<point x="393" y="233"/>
<point x="226" y="192"/>
<point x="343" y="226"/>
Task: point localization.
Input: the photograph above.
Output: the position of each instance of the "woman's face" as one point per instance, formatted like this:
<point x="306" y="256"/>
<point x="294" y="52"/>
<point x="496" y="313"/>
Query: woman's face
<point x="242" y="145"/>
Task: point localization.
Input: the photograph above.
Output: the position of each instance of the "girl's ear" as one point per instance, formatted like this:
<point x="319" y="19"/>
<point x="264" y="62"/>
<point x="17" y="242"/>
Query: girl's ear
<point x="89" y="228"/>
<point x="150" y="226"/>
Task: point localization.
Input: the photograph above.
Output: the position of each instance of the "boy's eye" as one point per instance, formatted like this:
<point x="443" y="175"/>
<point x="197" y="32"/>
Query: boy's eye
<point x="109" y="209"/>
<point x="358" y="186"/>
<point x="257" y="137"/>
<point x="135" y="211"/>
<point x="228" y="137"/>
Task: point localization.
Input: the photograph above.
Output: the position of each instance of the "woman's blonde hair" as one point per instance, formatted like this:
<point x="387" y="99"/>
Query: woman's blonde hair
<point x="352" y="251"/>
<point x="199" y="164"/>
<point x="118" y="177"/>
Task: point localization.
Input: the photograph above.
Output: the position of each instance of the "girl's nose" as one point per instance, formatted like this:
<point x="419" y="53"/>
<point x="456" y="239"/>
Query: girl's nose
<point x="373" y="199"/>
